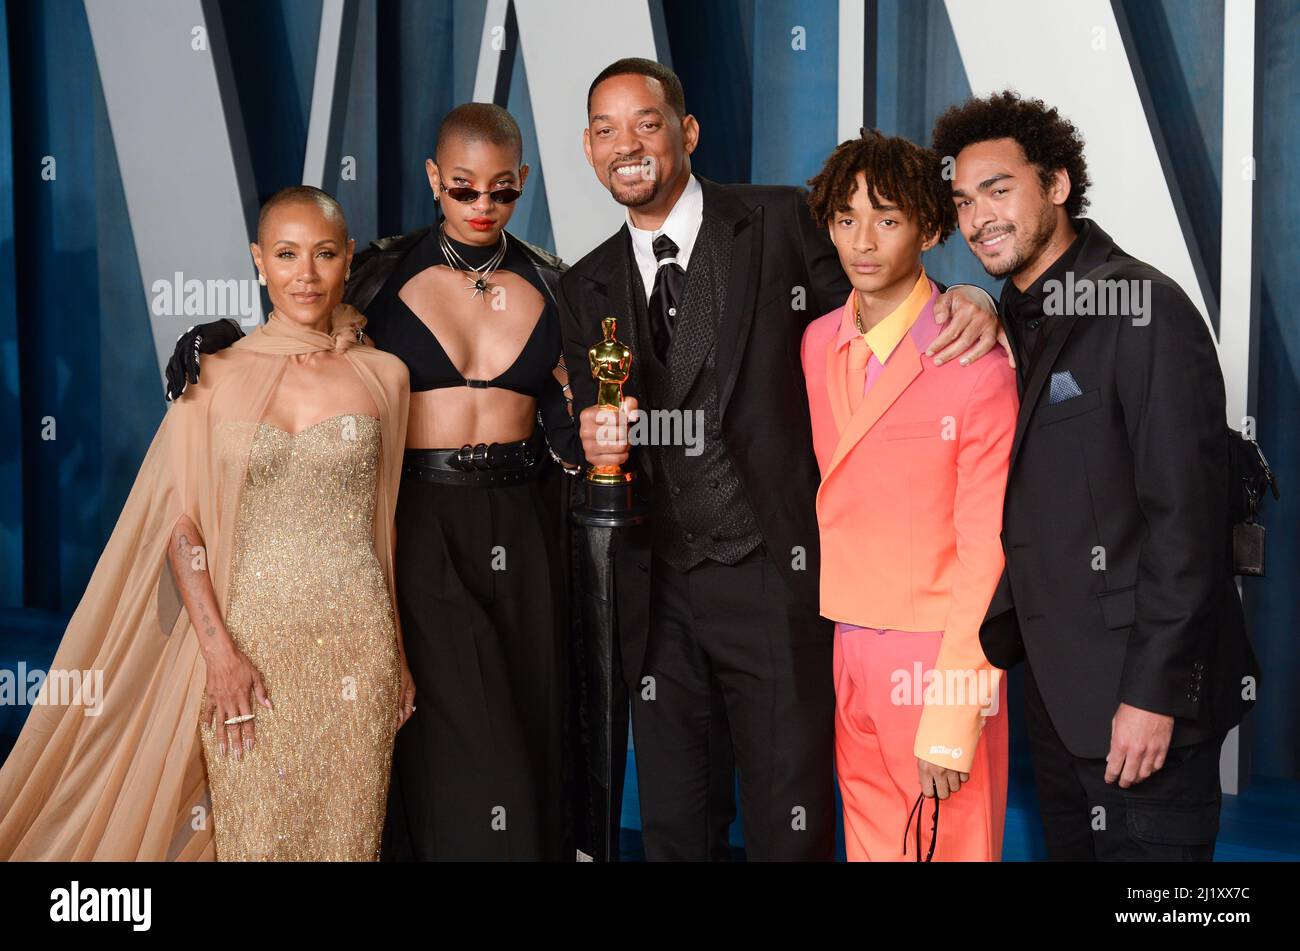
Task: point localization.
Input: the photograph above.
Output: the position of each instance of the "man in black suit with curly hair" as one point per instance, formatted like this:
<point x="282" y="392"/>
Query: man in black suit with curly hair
<point x="1118" y="590"/>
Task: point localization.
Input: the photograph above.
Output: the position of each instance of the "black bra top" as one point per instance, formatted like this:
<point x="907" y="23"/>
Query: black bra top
<point x="395" y="328"/>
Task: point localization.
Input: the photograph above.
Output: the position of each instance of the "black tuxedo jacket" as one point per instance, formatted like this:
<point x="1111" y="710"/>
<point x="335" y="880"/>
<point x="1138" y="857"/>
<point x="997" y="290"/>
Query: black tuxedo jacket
<point x="784" y="273"/>
<point x="1117" y="525"/>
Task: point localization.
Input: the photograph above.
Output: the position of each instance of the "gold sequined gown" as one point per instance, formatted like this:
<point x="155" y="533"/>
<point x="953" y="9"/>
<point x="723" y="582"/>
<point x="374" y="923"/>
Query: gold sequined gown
<point x="309" y="606"/>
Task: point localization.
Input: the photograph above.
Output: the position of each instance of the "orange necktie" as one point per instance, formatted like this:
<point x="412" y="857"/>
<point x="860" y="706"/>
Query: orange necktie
<point x="859" y="357"/>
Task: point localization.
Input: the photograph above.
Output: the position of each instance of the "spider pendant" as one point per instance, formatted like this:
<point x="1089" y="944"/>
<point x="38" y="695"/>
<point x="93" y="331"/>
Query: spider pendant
<point x="477" y="286"/>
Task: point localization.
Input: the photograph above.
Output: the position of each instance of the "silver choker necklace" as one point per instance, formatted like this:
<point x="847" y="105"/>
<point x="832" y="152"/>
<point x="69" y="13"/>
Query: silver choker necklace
<point x="478" y="278"/>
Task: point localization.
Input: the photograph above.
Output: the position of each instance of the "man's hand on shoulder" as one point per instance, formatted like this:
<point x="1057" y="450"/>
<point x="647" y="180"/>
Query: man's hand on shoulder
<point x="971" y="327"/>
<point x="183" y="367"/>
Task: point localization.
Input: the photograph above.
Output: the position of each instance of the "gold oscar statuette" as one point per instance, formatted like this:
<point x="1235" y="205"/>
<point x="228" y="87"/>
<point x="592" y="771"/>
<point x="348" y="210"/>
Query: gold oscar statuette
<point x="611" y="363"/>
<point x="610" y="500"/>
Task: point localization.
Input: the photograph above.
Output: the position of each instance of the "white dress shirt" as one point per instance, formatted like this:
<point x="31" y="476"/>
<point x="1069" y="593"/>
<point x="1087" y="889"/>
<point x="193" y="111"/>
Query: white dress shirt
<point x="682" y="225"/>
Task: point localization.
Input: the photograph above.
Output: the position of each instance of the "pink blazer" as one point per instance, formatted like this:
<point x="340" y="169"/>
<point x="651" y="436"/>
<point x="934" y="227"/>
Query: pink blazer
<point x="910" y="503"/>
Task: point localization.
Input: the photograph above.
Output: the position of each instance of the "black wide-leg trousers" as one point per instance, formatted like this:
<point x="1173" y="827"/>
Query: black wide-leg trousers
<point x="477" y="770"/>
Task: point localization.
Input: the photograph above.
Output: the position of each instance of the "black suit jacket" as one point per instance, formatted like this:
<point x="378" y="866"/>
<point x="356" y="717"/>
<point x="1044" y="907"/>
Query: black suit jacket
<point x="1117" y="525"/>
<point x="779" y="260"/>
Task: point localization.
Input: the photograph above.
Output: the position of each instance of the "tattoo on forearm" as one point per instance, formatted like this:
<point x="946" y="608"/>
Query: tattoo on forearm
<point x="192" y="586"/>
<point x="208" y="627"/>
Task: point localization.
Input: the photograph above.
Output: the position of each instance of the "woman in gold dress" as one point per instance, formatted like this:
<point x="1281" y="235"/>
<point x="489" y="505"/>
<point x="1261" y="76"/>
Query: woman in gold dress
<point x="310" y="631"/>
<point x="269" y="491"/>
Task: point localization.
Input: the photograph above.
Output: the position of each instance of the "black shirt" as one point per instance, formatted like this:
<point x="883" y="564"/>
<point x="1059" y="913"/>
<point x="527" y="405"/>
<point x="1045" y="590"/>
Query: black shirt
<point x="1024" y="309"/>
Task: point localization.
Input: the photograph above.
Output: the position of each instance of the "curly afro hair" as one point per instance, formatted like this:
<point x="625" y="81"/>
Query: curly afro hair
<point x="896" y="170"/>
<point x="1050" y="141"/>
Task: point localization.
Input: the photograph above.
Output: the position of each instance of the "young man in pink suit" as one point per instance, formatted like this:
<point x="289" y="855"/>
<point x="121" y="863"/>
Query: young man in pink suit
<point x="913" y="460"/>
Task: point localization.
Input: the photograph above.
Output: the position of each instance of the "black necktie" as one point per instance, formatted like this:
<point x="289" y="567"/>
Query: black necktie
<point x="669" y="279"/>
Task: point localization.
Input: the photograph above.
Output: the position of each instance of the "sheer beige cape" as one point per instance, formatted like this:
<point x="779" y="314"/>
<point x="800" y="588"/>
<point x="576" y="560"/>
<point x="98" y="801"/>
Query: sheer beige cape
<point x="129" y="783"/>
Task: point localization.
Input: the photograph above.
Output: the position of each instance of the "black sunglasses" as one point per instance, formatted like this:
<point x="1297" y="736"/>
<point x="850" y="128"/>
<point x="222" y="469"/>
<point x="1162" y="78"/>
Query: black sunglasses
<point x="917" y="811"/>
<point x="502" y="196"/>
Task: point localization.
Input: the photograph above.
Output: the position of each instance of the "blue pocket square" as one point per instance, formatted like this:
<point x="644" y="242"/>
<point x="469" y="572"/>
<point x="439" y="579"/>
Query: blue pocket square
<point x="1063" y="387"/>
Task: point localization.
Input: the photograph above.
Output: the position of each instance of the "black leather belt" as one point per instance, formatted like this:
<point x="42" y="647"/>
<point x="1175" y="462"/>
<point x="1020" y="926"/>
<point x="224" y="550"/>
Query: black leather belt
<point x="510" y="463"/>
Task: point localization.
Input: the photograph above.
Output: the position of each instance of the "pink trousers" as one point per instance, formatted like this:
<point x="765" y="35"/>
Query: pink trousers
<point x="878" y="704"/>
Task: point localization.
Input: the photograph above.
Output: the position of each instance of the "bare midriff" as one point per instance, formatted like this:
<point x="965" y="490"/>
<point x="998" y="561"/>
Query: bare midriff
<point x="482" y="335"/>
